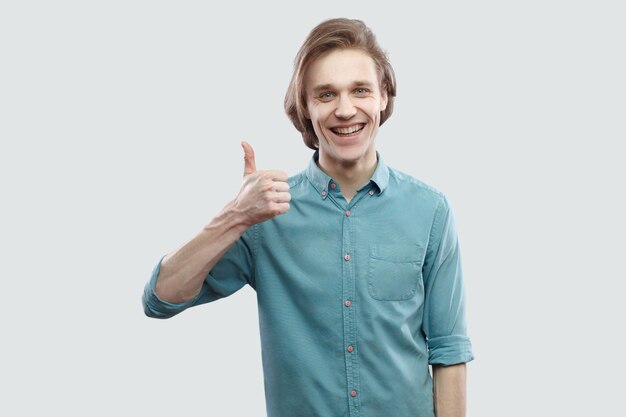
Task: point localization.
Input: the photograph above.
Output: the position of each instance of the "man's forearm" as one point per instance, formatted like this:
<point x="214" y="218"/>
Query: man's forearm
<point x="184" y="270"/>
<point x="449" y="390"/>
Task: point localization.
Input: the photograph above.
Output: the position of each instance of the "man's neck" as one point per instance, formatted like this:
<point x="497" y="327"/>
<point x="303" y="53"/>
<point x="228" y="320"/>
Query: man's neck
<point x="349" y="176"/>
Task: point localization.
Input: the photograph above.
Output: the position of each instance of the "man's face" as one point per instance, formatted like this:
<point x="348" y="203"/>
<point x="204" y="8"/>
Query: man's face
<point x="344" y="101"/>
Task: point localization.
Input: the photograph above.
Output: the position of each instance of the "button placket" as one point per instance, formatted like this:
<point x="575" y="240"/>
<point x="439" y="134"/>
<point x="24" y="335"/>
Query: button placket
<point x="349" y="312"/>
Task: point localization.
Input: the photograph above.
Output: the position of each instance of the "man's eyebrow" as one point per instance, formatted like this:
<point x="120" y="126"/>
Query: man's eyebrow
<point x="357" y="83"/>
<point x="322" y="87"/>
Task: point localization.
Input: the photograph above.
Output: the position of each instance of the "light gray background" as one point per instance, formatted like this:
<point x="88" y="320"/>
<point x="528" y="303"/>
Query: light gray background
<point x="120" y="124"/>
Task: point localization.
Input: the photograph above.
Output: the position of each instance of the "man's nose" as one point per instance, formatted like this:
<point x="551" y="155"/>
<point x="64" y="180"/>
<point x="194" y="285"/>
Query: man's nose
<point x="345" y="107"/>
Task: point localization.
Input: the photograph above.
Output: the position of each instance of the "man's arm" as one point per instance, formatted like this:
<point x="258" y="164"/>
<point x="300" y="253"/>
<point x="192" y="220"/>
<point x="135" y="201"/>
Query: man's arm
<point x="449" y="390"/>
<point x="263" y="195"/>
<point x="444" y="316"/>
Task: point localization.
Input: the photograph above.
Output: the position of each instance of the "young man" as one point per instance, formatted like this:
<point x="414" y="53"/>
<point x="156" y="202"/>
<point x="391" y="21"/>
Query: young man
<point x="356" y="265"/>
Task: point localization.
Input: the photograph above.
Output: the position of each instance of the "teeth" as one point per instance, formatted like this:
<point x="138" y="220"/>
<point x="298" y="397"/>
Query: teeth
<point x="348" y="130"/>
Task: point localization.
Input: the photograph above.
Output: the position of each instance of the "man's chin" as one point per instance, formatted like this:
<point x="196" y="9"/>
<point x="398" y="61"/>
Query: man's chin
<point x="349" y="157"/>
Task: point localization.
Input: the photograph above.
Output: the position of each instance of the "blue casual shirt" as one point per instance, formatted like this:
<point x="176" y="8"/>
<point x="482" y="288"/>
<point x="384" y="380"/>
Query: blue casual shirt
<point x="355" y="299"/>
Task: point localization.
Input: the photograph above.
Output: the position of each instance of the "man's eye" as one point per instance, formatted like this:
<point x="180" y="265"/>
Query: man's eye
<point x="361" y="91"/>
<point x="326" y="95"/>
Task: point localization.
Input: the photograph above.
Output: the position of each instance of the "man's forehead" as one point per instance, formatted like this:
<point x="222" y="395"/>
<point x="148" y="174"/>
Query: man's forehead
<point x="340" y="67"/>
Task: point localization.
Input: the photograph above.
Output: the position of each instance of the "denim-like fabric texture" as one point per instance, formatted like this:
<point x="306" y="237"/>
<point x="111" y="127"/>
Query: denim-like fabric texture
<point x="395" y="257"/>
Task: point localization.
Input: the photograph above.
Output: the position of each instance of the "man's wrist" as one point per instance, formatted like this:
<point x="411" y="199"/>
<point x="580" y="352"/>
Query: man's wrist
<point x="231" y="219"/>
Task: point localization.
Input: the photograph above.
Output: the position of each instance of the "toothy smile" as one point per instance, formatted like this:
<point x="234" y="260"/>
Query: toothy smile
<point x="347" y="131"/>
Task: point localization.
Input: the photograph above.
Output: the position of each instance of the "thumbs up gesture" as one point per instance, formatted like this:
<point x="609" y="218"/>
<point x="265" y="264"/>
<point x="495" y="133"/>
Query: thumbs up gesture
<point x="264" y="194"/>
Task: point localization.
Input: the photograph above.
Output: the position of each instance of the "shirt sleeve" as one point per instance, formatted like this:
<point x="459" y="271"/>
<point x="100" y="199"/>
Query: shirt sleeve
<point x="234" y="270"/>
<point x="444" y="306"/>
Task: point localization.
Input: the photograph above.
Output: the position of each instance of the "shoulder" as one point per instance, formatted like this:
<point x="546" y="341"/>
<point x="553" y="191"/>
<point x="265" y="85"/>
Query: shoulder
<point x="410" y="186"/>
<point x="297" y="179"/>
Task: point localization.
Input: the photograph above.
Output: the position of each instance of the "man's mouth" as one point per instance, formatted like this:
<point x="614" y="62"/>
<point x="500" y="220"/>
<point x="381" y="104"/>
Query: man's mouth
<point x="348" y="131"/>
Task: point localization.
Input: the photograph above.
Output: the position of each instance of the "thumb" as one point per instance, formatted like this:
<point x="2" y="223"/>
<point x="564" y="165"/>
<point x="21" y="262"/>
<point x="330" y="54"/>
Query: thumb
<point x="249" y="164"/>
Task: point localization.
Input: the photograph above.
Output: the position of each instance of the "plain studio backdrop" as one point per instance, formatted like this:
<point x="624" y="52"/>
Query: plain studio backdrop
<point x="120" y="125"/>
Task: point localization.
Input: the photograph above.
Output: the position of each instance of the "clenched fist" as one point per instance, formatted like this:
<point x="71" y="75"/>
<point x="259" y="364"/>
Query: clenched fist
<point x="264" y="194"/>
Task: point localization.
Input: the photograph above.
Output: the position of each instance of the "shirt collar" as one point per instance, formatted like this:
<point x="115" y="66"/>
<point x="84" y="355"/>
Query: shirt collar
<point x="321" y="181"/>
<point x="381" y="175"/>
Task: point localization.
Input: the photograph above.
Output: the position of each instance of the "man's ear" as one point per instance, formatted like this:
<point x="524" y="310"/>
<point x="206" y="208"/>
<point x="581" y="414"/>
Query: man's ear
<point x="305" y="112"/>
<point x="383" y="98"/>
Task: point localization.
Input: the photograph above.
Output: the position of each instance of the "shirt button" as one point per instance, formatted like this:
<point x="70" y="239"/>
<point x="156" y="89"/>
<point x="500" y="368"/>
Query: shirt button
<point x="347" y="213"/>
<point x="348" y="303"/>
<point x="353" y="393"/>
<point x="371" y="192"/>
<point x="346" y="257"/>
<point x="350" y="348"/>
<point x="333" y="185"/>
<point x="323" y="193"/>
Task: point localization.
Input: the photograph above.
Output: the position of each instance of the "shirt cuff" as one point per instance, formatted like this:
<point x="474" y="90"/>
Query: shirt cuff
<point x="153" y="306"/>
<point x="449" y="350"/>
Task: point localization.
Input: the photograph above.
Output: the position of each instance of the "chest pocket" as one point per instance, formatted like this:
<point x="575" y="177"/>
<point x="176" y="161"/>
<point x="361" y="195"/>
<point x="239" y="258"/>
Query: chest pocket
<point x="395" y="271"/>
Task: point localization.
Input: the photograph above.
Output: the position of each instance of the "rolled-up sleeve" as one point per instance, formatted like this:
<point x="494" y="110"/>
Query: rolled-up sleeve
<point x="444" y="307"/>
<point x="234" y="270"/>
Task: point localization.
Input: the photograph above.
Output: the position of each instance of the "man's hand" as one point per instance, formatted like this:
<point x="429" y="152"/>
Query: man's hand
<point x="264" y="194"/>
